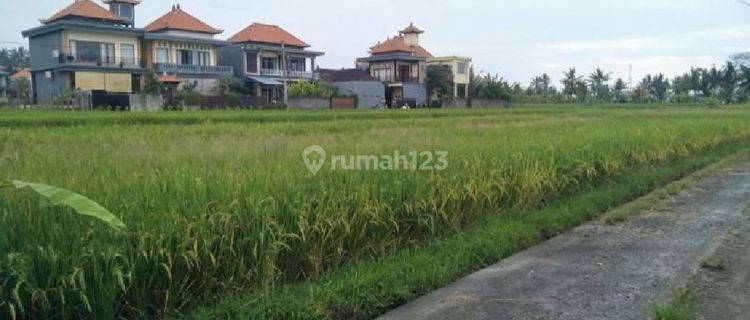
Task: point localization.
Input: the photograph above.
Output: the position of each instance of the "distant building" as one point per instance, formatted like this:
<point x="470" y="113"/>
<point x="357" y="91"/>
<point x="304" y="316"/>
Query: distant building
<point x="460" y="67"/>
<point x="86" y="47"/>
<point x="400" y="63"/>
<point x="181" y="49"/>
<point x="264" y="56"/>
<point x="370" y="92"/>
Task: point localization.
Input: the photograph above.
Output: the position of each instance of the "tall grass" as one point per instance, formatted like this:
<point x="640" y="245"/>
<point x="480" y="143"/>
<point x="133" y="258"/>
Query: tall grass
<point x="215" y="204"/>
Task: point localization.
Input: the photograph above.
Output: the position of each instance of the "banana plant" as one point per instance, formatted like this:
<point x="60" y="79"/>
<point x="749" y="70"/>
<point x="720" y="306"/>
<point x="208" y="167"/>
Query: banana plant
<point x="80" y="204"/>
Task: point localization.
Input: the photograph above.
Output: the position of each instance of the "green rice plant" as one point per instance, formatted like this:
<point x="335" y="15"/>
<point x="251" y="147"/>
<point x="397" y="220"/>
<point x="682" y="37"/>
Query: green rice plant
<point x="220" y="202"/>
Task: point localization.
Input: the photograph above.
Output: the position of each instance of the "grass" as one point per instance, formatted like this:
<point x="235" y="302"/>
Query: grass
<point x="220" y="203"/>
<point x="682" y="306"/>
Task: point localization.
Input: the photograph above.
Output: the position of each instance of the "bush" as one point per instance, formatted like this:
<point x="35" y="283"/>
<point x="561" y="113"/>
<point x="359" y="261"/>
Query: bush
<point x="711" y="102"/>
<point x="312" y="89"/>
<point x="187" y="96"/>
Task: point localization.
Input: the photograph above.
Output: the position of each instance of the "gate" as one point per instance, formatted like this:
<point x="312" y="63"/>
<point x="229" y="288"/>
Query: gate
<point x="110" y="101"/>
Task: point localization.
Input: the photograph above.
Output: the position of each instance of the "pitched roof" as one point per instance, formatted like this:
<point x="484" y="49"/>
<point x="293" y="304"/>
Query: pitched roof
<point x="85" y="9"/>
<point x="397" y="44"/>
<point x="345" y="75"/>
<point x="23" y="74"/>
<point x="411" y="29"/>
<point x="177" y="19"/>
<point x="123" y="1"/>
<point x="266" y="33"/>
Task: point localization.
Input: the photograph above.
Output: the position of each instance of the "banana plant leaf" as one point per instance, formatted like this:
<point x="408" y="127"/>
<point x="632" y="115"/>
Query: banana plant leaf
<point x="80" y="204"/>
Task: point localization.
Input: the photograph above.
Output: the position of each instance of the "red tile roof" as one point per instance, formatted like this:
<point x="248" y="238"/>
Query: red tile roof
<point x="85" y="9"/>
<point x="411" y="29"/>
<point x="23" y="74"/>
<point x="177" y="19"/>
<point x="397" y="44"/>
<point x="170" y="79"/>
<point x="266" y="33"/>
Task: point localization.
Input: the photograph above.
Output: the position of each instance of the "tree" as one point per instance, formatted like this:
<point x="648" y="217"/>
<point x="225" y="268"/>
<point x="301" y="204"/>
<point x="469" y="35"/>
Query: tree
<point x="152" y="84"/>
<point x="230" y="84"/>
<point x="15" y="60"/>
<point x="570" y="82"/>
<point x="438" y="80"/>
<point x="728" y="83"/>
<point x="618" y="91"/>
<point x="540" y="85"/>
<point x="21" y="90"/>
<point x="682" y="86"/>
<point x="599" y="87"/>
<point x="657" y="87"/>
<point x="491" y="87"/>
<point x="312" y="89"/>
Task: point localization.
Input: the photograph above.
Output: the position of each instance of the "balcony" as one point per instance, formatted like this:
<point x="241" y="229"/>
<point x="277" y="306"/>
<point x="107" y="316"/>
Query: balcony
<point x="100" y="61"/>
<point x="174" y="68"/>
<point x="291" y="73"/>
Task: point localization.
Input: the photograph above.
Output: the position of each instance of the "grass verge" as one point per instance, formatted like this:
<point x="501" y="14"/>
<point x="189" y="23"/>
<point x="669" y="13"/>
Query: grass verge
<point x="682" y="306"/>
<point x="370" y="288"/>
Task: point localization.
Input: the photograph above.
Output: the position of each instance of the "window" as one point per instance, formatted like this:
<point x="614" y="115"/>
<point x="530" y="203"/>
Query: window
<point x="297" y="64"/>
<point x="268" y="63"/>
<point x="382" y="74"/>
<point x="462" y="66"/>
<point x="196" y="58"/>
<point x="252" y="62"/>
<point x="162" y="55"/>
<point x="128" y="54"/>
<point x="87" y="51"/>
<point x="125" y="11"/>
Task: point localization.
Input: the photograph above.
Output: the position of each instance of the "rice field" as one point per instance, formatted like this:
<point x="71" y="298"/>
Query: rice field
<point x="219" y="202"/>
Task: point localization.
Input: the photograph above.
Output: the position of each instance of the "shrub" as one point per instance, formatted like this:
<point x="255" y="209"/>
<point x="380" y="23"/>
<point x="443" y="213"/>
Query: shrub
<point x="312" y="89"/>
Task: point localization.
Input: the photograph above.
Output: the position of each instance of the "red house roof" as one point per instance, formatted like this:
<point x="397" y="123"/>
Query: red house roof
<point x="23" y="74"/>
<point x="397" y="44"/>
<point x="266" y="33"/>
<point x="85" y="9"/>
<point x="177" y="19"/>
<point x="411" y="29"/>
<point x="123" y="1"/>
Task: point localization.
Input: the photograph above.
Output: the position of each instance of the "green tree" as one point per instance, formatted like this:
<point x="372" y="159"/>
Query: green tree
<point x="728" y="83"/>
<point x="312" y="89"/>
<point x="152" y="84"/>
<point x="438" y="80"/>
<point x="599" y="84"/>
<point x="15" y="60"/>
<point x="570" y="83"/>
<point x="618" y="91"/>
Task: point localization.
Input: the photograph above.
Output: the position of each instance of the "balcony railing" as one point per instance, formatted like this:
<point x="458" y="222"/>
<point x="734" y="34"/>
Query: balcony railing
<point x="99" y="61"/>
<point x="174" y="68"/>
<point x="290" y="73"/>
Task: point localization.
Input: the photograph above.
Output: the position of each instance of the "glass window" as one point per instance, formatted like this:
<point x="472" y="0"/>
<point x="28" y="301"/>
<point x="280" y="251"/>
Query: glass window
<point x="196" y="58"/>
<point x="252" y="62"/>
<point x="128" y="54"/>
<point x="382" y="74"/>
<point x="162" y="55"/>
<point x="268" y="63"/>
<point x="87" y="51"/>
<point x="462" y="66"/>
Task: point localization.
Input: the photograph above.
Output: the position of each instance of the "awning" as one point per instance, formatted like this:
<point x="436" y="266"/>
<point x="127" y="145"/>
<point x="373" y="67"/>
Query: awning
<point x="264" y="80"/>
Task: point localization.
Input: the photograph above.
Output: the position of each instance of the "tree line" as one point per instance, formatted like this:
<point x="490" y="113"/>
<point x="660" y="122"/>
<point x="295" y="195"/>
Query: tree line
<point x="727" y="83"/>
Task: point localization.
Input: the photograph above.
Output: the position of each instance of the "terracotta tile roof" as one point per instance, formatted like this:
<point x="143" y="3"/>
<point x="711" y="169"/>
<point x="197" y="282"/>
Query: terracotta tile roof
<point x="265" y="33"/>
<point x="397" y="44"/>
<point x="123" y="1"/>
<point x="23" y="74"/>
<point x="85" y="9"/>
<point x="177" y="19"/>
<point x="167" y="78"/>
<point x="411" y="29"/>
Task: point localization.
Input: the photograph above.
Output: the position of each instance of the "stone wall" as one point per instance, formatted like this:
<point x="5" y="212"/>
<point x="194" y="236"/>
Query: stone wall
<point x="309" y="103"/>
<point x="370" y="94"/>
<point x="142" y="102"/>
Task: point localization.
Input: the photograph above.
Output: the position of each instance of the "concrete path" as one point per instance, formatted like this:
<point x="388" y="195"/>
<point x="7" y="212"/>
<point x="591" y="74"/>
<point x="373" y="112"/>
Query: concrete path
<point x="598" y="271"/>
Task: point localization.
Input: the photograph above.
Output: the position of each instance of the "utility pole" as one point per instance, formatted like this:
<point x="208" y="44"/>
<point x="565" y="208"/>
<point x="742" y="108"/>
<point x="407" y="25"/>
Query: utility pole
<point x="284" y="74"/>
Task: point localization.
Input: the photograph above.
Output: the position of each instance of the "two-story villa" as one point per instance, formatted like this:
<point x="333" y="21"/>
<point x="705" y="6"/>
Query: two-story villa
<point x="460" y="66"/>
<point x="182" y="50"/>
<point x="265" y="56"/>
<point x="400" y="62"/>
<point x="86" y="47"/>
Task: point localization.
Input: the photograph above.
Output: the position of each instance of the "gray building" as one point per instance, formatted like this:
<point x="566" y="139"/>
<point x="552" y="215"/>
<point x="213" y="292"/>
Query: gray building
<point x="265" y="56"/>
<point x="4" y="83"/>
<point x="370" y="92"/>
<point x="85" y="47"/>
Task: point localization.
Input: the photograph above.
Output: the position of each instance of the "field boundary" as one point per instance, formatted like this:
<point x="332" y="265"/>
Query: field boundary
<point x="373" y="287"/>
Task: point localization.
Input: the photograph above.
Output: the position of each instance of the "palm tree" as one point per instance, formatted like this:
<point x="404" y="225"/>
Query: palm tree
<point x="599" y="87"/>
<point x="618" y="89"/>
<point x="570" y="82"/>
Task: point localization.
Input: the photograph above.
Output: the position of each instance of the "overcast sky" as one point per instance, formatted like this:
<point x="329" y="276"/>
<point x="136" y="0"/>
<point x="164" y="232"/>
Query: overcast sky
<point x="514" y="38"/>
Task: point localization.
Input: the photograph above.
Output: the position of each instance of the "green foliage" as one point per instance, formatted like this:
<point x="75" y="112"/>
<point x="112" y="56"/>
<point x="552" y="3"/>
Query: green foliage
<point x="80" y="204"/>
<point x="15" y="60"/>
<point x="187" y="96"/>
<point x="220" y="202"/>
<point x="682" y="306"/>
<point x="229" y="85"/>
<point x="152" y="84"/>
<point x="712" y="102"/>
<point x="438" y="79"/>
<point x="66" y="97"/>
<point x="312" y="89"/>
<point x="490" y="87"/>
